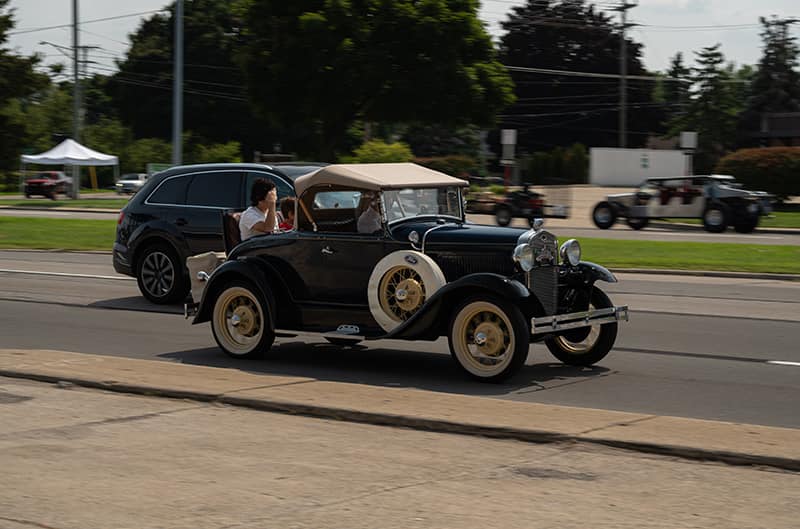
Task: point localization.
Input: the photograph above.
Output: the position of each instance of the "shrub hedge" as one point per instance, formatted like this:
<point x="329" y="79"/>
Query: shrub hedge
<point x="454" y="164"/>
<point x="772" y="169"/>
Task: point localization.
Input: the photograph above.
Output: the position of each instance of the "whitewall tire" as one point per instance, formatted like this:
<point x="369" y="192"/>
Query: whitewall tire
<point x="400" y="284"/>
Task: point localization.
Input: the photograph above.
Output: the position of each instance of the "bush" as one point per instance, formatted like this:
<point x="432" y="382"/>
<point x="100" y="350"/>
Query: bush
<point x="497" y="189"/>
<point x="570" y="165"/>
<point x="772" y="169"/>
<point x="378" y="151"/>
<point x="454" y="165"/>
<point x="9" y="181"/>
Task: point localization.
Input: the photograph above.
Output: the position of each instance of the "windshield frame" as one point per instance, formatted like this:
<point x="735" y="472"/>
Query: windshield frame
<point x="461" y="209"/>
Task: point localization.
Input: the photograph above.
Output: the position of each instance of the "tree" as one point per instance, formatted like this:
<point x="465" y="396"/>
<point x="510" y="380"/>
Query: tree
<point x="559" y="110"/>
<point x="215" y="100"/>
<point x="325" y="64"/>
<point x="713" y="109"/>
<point x="676" y="94"/>
<point x="776" y="84"/>
<point x="378" y="151"/>
<point x="18" y="80"/>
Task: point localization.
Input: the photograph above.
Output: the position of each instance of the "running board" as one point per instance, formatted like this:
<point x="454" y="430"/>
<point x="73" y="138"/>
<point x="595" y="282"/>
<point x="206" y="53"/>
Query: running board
<point x="573" y="320"/>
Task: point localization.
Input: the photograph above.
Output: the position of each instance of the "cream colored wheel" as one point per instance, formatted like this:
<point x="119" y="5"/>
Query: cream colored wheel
<point x="489" y="339"/>
<point x="239" y="323"/>
<point x="399" y="286"/>
<point x="581" y="347"/>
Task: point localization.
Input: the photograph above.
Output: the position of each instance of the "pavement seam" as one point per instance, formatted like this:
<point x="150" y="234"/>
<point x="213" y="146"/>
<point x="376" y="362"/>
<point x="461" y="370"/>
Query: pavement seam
<point x="620" y="423"/>
<point x="417" y="423"/>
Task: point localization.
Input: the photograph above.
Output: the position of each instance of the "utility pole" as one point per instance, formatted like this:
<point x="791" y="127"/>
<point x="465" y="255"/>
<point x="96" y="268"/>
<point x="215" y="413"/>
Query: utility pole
<point x="623" y="73"/>
<point x="177" y="89"/>
<point x="76" y="99"/>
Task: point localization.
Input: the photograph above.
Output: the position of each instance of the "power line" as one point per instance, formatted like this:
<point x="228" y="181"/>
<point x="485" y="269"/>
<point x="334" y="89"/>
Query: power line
<point x="32" y="30"/>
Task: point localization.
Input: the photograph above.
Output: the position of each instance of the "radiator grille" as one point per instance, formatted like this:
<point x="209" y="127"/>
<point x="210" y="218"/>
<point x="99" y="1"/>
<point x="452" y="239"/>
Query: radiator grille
<point x="458" y="265"/>
<point x="543" y="282"/>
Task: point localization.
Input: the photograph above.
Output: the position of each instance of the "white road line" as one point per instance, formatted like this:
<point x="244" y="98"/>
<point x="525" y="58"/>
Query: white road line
<point x="783" y="363"/>
<point x="64" y="274"/>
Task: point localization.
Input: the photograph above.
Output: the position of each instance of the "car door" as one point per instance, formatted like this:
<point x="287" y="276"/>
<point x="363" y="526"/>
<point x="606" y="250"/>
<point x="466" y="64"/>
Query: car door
<point x="208" y="193"/>
<point x="341" y="259"/>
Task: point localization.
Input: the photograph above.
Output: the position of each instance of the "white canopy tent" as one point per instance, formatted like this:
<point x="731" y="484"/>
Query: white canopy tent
<point x="70" y="152"/>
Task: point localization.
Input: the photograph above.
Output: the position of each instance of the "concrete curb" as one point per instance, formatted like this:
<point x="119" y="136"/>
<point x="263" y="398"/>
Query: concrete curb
<point x="708" y="273"/>
<point x="417" y="423"/>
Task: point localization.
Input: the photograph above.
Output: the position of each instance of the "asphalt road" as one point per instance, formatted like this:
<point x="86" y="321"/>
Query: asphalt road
<point x="712" y="348"/>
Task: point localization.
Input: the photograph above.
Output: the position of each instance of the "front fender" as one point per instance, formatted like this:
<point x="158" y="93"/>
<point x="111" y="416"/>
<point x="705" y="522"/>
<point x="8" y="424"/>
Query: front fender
<point x="596" y="272"/>
<point x="429" y="322"/>
<point x="244" y="269"/>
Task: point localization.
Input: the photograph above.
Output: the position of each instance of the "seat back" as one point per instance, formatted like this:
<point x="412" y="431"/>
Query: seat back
<point x="230" y="229"/>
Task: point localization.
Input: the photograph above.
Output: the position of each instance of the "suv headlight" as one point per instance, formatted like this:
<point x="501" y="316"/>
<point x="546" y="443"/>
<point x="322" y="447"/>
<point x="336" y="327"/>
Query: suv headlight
<point x="523" y="254"/>
<point x="570" y="252"/>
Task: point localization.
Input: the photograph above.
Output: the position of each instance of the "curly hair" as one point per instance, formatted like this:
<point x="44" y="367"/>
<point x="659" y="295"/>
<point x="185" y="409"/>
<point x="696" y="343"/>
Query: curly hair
<point x="261" y="187"/>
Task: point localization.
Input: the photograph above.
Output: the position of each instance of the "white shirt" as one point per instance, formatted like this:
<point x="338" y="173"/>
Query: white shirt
<point x="250" y="218"/>
<point x="369" y="221"/>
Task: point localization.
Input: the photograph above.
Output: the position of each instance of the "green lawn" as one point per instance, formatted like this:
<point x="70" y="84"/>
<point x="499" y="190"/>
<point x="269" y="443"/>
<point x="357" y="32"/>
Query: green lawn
<point x="65" y="234"/>
<point x="106" y="203"/>
<point x="782" y="219"/>
<point x="74" y="234"/>
<point x="692" y="255"/>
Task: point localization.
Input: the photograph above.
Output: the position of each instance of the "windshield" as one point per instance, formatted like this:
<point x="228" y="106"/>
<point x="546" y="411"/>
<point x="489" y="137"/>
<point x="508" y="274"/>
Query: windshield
<point x="406" y="203"/>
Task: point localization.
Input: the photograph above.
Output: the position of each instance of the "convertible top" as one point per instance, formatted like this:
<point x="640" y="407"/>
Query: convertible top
<point x="377" y="176"/>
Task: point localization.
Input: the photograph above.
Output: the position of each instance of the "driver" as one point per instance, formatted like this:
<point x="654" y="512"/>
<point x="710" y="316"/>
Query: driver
<point x="370" y="219"/>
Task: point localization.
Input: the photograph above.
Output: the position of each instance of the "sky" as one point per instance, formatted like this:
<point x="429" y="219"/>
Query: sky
<point x="664" y="26"/>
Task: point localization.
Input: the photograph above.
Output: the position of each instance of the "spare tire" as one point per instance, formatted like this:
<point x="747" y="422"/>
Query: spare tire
<point x="400" y="284"/>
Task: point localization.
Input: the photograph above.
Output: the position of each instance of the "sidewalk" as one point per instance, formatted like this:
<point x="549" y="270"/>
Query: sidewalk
<point x="74" y="458"/>
<point x="738" y="444"/>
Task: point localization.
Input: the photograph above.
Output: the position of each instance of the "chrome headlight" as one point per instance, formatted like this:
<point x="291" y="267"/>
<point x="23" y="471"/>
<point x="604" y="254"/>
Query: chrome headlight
<point x="570" y="252"/>
<point x="523" y="254"/>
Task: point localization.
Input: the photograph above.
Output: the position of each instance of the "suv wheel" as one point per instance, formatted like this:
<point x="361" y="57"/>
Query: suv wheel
<point x="503" y="216"/>
<point x="604" y="215"/>
<point x="715" y="218"/>
<point x="160" y="276"/>
<point x="637" y="223"/>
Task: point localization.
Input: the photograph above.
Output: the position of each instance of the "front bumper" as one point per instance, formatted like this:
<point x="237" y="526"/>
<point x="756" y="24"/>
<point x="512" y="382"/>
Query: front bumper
<point x="573" y="320"/>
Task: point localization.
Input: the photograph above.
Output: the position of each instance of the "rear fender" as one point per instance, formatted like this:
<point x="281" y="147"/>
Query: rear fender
<point x="242" y="269"/>
<point x="432" y="319"/>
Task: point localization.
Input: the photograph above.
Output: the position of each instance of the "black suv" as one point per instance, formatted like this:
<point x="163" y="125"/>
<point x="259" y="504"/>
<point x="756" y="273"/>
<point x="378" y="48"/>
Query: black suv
<point x="178" y="213"/>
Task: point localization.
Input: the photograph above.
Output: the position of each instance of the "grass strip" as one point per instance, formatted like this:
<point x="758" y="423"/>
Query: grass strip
<point x="734" y="257"/>
<point x="781" y="219"/>
<point x="49" y="234"/>
<point x="105" y="203"/>
<point x="76" y="234"/>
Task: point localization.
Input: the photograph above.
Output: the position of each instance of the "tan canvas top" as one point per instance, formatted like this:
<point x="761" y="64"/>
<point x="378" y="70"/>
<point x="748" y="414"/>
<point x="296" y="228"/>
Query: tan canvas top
<point x="377" y="176"/>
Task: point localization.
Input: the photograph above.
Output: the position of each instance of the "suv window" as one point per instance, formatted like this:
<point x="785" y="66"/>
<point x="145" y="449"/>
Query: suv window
<point x="283" y="189"/>
<point x="214" y="189"/>
<point x="170" y="191"/>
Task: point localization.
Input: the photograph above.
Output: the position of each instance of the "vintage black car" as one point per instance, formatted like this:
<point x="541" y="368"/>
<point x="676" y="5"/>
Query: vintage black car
<point x="716" y="199"/>
<point x="425" y="272"/>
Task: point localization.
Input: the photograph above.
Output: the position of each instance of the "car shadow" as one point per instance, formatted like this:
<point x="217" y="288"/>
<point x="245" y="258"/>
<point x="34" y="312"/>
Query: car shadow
<point x="136" y="303"/>
<point x="386" y="365"/>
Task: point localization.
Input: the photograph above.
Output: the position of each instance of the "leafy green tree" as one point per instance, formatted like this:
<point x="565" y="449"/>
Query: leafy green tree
<point x="676" y="94"/>
<point x="558" y="110"/>
<point x="713" y="110"/>
<point x="440" y="140"/>
<point x="228" y="152"/>
<point x="378" y="151"/>
<point x="215" y="99"/>
<point x="18" y="80"/>
<point x="148" y="150"/>
<point x="324" y="64"/>
<point x="775" y="85"/>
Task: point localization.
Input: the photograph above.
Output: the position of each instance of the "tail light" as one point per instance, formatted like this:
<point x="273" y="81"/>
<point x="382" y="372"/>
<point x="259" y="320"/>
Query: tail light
<point x="121" y="217"/>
